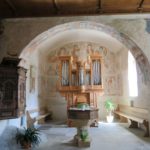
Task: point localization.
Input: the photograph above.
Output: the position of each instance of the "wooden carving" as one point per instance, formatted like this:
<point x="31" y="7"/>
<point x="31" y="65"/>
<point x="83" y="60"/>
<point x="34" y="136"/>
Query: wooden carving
<point x="10" y="90"/>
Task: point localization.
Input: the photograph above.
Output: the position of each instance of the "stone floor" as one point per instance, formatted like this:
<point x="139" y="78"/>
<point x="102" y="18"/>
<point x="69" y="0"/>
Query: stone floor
<point x="114" y="136"/>
<point x="106" y="137"/>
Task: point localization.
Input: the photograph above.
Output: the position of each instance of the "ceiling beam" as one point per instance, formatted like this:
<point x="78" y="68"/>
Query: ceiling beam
<point x="140" y="8"/>
<point x="11" y="6"/>
<point x="99" y="10"/>
<point x="55" y="6"/>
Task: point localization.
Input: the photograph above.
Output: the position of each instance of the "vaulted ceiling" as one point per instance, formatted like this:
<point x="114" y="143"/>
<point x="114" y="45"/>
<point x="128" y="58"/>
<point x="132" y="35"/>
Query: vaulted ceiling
<point x="43" y="8"/>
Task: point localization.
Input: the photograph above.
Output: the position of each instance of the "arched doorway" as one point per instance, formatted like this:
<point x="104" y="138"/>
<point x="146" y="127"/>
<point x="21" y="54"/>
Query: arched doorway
<point x="76" y="32"/>
<point x="91" y="26"/>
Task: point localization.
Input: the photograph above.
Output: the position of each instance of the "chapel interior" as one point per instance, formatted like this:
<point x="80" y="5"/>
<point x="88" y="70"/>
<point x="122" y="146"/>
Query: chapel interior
<point x="61" y="60"/>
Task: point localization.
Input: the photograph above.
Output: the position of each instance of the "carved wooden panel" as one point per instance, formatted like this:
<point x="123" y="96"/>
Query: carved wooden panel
<point x="9" y="96"/>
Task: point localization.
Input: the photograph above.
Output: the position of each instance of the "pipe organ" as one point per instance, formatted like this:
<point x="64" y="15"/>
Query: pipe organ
<point x="81" y="84"/>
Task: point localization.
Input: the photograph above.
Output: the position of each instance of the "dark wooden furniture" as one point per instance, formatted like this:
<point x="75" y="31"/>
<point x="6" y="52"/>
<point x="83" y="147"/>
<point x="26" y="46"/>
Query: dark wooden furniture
<point x="83" y="114"/>
<point x="135" y="115"/>
<point x="12" y="89"/>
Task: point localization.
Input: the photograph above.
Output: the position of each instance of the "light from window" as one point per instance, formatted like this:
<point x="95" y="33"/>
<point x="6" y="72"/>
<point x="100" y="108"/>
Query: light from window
<point x="132" y="76"/>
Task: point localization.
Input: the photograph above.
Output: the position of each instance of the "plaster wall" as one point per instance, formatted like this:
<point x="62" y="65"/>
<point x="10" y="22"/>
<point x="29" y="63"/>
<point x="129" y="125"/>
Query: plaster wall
<point x="49" y="75"/>
<point x="19" y="32"/>
<point x="32" y="82"/>
<point x="142" y="99"/>
<point x="24" y="30"/>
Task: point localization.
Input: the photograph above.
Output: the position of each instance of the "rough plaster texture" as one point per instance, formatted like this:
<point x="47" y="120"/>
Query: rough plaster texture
<point x="19" y="32"/>
<point x="142" y="99"/>
<point x="49" y="75"/>
<point x="27" y="29"/>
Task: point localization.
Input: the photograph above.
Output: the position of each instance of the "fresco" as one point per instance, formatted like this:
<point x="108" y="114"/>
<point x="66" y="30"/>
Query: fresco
<point x="82" y="50"/>
<point x="113" y="85"/>
<point x="125" y="40"/>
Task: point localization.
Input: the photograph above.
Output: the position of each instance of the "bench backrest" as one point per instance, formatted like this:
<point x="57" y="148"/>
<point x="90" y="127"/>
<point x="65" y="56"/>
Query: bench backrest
<point x="32" y="114"/>
<point x="134" y="111"/>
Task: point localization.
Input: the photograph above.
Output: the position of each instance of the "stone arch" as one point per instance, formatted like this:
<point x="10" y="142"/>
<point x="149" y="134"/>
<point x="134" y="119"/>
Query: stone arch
<point x="87" y="25"/>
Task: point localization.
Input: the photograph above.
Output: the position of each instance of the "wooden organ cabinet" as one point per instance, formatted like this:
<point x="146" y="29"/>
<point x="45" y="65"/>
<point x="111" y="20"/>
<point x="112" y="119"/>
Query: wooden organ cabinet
<point x="12" y="89"/>
<point x="81" y="83"/>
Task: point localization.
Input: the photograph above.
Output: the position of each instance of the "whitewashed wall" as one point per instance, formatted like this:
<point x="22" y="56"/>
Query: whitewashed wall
<point x="19" y="32"/>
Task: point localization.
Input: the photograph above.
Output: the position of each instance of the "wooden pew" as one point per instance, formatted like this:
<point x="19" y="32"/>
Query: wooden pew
<point x="135" y="115"/>
<point x="37" y="115"/>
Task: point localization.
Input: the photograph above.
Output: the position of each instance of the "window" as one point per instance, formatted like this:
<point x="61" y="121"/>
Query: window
<point x="132" y="76"/>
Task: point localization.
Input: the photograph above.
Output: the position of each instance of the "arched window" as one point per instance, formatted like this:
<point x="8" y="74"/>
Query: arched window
<point x="132" y="76"/>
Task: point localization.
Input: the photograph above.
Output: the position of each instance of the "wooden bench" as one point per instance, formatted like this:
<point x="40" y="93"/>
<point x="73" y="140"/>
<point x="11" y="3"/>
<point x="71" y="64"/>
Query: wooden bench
<point x="136" y="116"/>
<point x="37" y="116"/>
